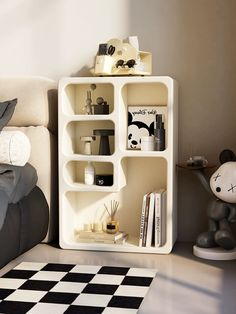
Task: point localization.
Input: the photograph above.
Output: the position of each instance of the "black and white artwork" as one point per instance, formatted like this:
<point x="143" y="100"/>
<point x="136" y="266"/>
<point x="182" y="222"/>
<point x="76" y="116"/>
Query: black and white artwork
<point x="141" y="123"/>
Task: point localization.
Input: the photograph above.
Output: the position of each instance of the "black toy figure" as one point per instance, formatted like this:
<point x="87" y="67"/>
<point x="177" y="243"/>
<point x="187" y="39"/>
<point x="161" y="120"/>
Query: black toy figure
<point x="221" y="210"/>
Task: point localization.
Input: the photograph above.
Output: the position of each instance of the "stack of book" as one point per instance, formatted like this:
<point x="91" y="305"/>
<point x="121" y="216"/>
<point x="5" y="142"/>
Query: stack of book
<point x="101" y="237"/>
<point x="152" y="223"/>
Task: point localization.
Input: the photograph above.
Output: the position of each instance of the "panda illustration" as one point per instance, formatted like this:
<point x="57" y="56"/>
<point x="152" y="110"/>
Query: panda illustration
<point x="221" y="211"/>
<point x="136" y="130"/>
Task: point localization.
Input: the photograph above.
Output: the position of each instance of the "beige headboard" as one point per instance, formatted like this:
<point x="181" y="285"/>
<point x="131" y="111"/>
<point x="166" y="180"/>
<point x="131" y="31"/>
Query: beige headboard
<point x="36" y="115"/>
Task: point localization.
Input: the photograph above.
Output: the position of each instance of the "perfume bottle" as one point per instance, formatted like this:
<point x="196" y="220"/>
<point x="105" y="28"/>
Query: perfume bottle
<point x="159" y="133"/>
<point x="89" y="174"/>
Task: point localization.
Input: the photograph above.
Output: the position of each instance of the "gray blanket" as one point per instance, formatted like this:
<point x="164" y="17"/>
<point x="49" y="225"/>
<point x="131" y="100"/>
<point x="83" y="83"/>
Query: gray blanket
<point x="15" y="183"/>
<point x="6" y="111"/>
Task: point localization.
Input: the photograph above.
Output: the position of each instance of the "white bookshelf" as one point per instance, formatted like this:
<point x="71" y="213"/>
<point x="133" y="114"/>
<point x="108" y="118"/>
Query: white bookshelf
<point x="135" y="172"/>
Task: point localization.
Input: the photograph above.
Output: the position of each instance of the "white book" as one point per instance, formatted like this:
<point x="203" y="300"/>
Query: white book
<point x="150" y="220"/>
<point x="121" y="240"/>
<point x="99" y="236"/>
<point x="159" y="222"/>
<point x="163" y="220"/>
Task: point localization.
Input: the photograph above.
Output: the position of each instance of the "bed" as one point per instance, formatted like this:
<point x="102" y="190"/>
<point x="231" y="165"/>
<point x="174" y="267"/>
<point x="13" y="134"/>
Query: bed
<point x="33" y="217"/>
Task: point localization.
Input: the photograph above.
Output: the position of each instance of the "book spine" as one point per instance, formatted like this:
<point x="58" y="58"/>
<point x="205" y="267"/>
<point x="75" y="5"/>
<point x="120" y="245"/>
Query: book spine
<point x="158" y="239"/>
<point x="150" y="220"/>
<point x="142" y="220"/>
<point x="160" y="217"/>
<point x="163" y="217"/>
<point x="146" y="220"/>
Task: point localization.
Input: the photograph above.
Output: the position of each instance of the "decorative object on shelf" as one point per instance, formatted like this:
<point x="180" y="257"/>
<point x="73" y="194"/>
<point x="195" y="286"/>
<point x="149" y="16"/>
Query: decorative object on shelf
<point x="147" y="143"/>
<point x="93" y="87"/>
<point x="159" y="133"/>
<point x="112" y="225"/>
<point x="87" y="227"/>
<point x="142" y="123"/>
<point x="221" y="210"/>
<point x="117" y="57"/>
<point x="197" y="161"/>
<point x="89" y="173"/>
<point x="101" y="107"/>
<point x="103" y="60"/>
<point x="87" y="143"/>
<point x="97" y="227"/>
<point x="88" y="106"/>
<point x="104" y="179"/>
<point x="104" y="147"/>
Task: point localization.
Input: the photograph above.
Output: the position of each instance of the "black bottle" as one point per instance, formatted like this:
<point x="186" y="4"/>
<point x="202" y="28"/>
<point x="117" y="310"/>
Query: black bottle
<point x="159" y="133"/>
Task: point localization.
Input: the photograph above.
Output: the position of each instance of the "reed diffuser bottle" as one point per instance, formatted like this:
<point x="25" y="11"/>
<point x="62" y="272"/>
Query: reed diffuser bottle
<point x="112" y="224"/>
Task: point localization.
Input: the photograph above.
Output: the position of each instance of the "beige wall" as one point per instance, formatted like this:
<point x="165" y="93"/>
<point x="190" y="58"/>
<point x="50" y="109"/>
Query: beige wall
<point x="191" y="40"/>
<point x="194" y="41"/>
<point x="56" y="38"/>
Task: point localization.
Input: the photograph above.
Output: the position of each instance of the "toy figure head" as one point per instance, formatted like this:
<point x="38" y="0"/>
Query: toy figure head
<point x="223" y="180"/>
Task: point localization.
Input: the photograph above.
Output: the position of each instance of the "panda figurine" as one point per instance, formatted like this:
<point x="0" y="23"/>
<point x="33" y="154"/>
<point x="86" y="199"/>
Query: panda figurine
<point x="221" y="210"/>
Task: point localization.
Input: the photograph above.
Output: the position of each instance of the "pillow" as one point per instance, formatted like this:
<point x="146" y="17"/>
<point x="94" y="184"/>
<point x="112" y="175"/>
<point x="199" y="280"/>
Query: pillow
<point x="6" y="111"/>
<point x="15" y="148"/>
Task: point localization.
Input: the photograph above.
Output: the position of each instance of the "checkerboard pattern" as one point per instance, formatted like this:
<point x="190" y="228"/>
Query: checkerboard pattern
<point x="48" y="288"/>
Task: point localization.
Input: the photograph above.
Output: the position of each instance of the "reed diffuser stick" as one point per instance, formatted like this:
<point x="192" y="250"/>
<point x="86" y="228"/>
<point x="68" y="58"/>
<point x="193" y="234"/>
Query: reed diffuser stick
<point x="107" y="209"/>
<point x="113" y="208"/>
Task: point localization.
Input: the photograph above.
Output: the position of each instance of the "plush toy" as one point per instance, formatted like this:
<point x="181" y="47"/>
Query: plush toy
<point x="221" y="210"/>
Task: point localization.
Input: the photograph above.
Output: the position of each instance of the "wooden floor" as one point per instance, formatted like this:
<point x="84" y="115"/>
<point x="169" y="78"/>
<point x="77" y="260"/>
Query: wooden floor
<point x="184" y="284"/>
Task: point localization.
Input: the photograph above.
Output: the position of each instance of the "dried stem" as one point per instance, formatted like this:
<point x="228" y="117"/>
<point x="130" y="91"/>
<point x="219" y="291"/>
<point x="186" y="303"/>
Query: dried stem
<point x="114" y="208"/>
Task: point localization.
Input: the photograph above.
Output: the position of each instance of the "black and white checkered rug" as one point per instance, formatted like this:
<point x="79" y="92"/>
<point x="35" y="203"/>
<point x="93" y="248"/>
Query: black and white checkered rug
<point x="48" y="288"/>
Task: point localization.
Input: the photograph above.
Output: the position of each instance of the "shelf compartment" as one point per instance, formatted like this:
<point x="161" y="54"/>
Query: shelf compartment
<point x="148" y="93"/>
<point x="74" y="173"/>
<point x="139" y="105"/>
<point x="88" y="207"/>
<point x="71" y="141"/>
<point x="143" y="175"/>
<point x="130" y="246"/>
<point x="83" y="208"/>
<point x="75" y="96"/>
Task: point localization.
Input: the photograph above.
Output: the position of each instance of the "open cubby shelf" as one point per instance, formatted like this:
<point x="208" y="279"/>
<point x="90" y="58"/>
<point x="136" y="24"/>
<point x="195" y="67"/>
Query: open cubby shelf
<point x="75" y="95"/>
<point x="135" y="172"/>
<point x="74" y="130"/>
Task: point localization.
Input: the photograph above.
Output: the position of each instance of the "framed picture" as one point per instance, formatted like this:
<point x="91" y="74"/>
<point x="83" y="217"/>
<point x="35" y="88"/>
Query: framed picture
<point x="141" y="122"/>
